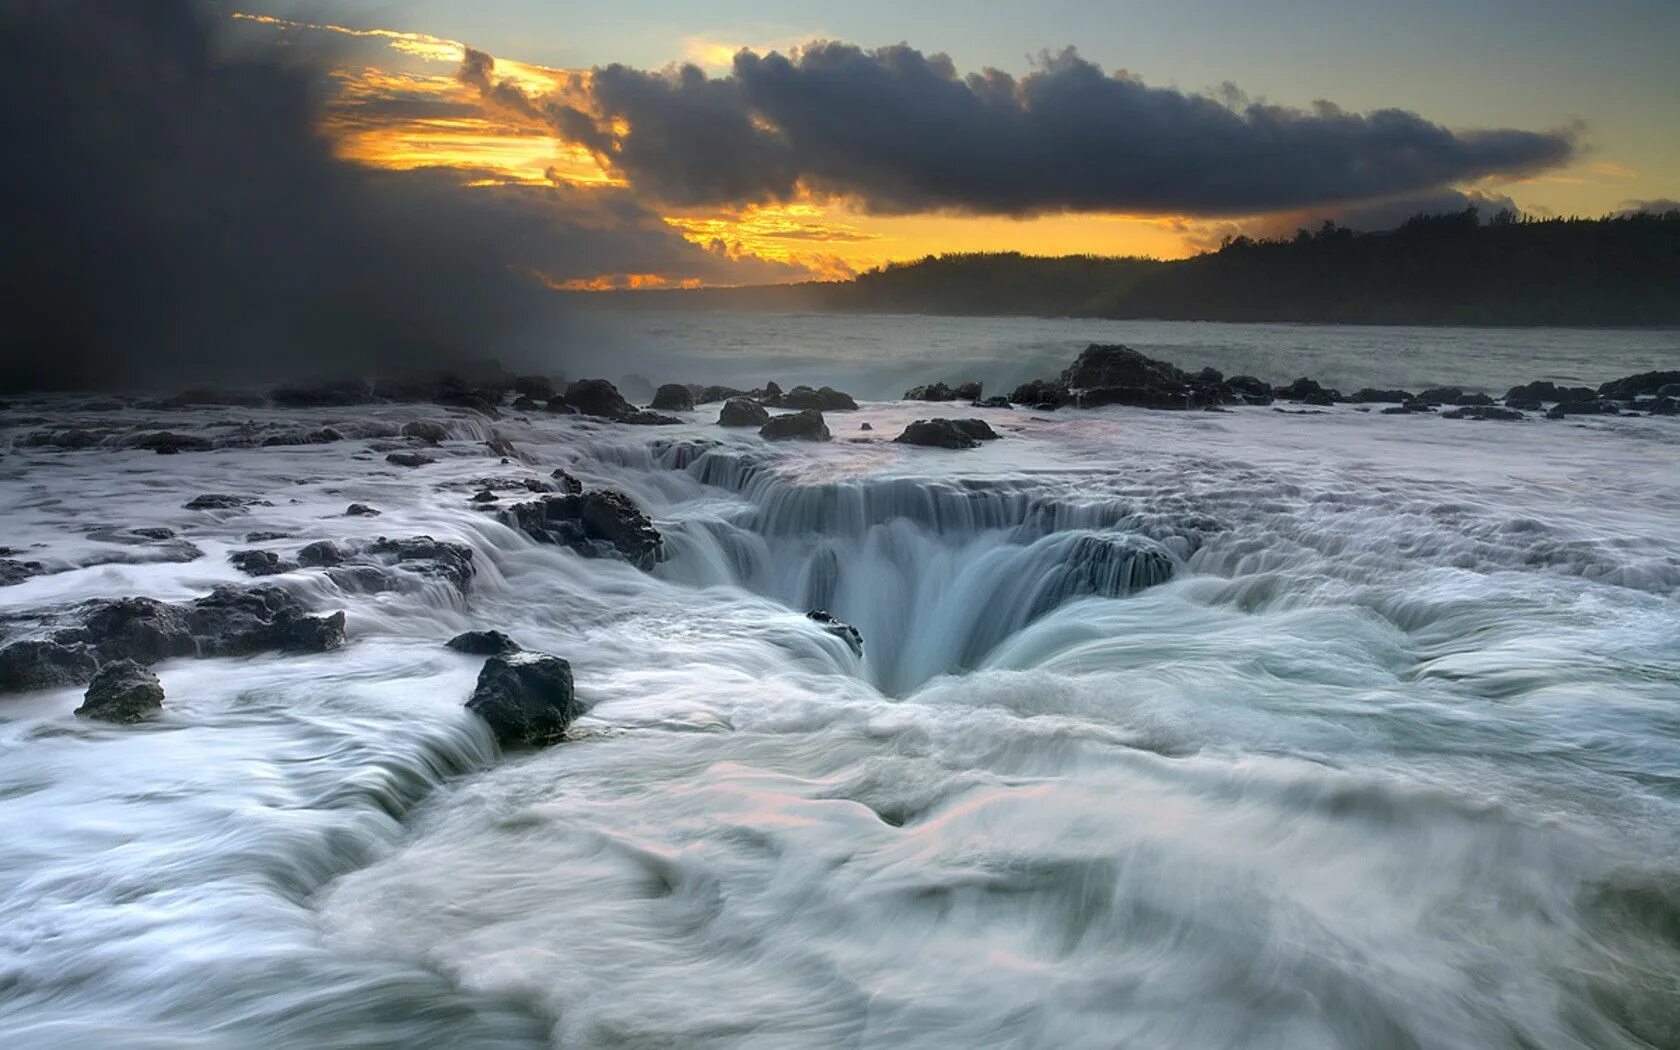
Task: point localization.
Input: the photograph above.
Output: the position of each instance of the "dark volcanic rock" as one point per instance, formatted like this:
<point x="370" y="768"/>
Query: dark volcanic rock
<point x="1542" y="390"/>
<point x="231" y="621"/>
<point x="936" y="433"/>
<point x="804" y="425"/>
<point x="166" y="443"/>
<point x="223" y="501"/>
<point x="600" y="524"/>
<point x="673" y="397"/>
<point x="1662" y="406"/>
<point x="839" y="628"/>
<point x="823" y="399"/>
<point x="42" y="664"/>
<point x="740" y="412"/>
<point x="1523" y="404"/>
<point x="1589" y="407"/>
<point x="1373" y="396"/>
<point x="144" y="630"/>
<point x="565" y="483"/>
<point x="1487" y="412"/>
<point x="15" y="571"/>
<point x="1250" y="387"/>
<point x="1306" y="391"/>
<point x="537" y="388"/>
<point x="597" y="397"/>
<point x="360" y="510"/>
<point x="322" y="436"/>
<point x="995" y="401"/>
<point x="643" y="418"/>
<point x="1136" y="397"/>
<point x="1452" y="395"/>
<point x="122" y="692"/>
<point x="978" y="429"/>
<point x="970" y="391"/>
<point x="260" y="563"/>
<point x="1039" y="393"/>
<point x="930" y="392"/>
<point x="527" y="698"/>
<point x="425" y="430"/>
<point x="429" y="557"/>
<point x="484" y="643"/>
<point x="702" y="395"/>
<point x="410" y="459"/>
<point x="322" y="554"/>
<point x="1643" y="383"/>
<point x="484" y="496"/>
<point x="1113" y="365"/>
<point x="335" y="393"/>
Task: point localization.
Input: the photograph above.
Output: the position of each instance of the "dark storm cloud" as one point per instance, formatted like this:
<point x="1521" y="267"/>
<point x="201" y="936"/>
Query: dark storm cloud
<point x="901" y="131"/>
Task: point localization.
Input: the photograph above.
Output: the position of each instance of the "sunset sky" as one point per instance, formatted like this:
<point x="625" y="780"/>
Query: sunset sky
<point x="850" y="135"/>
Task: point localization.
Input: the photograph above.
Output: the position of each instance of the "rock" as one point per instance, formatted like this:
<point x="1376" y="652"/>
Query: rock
<point x="931" y="392"/>
<point x="335" y="393"/>
<point x="527" y="698"/>
<point x="839" y="628"/>
<point x="410" y="459"/>
<point x="645" y="418"/>
<point x="144" y="630"/>
<point x="1629" y="387"/>
<point x="322" y="436"/>
<point x="1523" y="404"/>
<point x="1662" y="406"/>
<point x="865" y="426"/>
<point x="823" y="399"/>
<point x="970" y="391"/>
<point x="1487" y="412"/>
<point x="260" y="563"/>
<point x="1589" y="407"/>
<point x="1248" y="387"/>
<point x="597" y="397"/>
<point x="1452" y="395"/>
<point x="231" y="621"/>
<point x="566" y="483"/>
<point x="1542" y="390"/>
<point x="1307" y="391"/>
<point x="322" y="554"/>
<point x="740" y="412"/>
<point x="429" y="557"/>
<point x="483" y="643"/>
<point x="122" y="692"/>
<point x="537" y="388"/>
<point x="484" y="402"/>
<point x="264" y="537"/>
<point x="559" y="404"/>
<point x="995" y="401"/>
<point x="1669" y="390"/>
<point x="804" y="425"/>
<point x="978" y="429"/>
<point x="1136" y="397"/>
<point x="702" y="395"/>
<point x="14" y="571"/>
<point x="525" y="404"/>
<point x="673" y="397"/>
<point x="166" y="443"/>
<point x="42" y="664"/>
<point x="360" y="510"/>
<point x="1373" y="396"/>
<point x="223" y="501"/>
<point x="154" y="532"/>
<point x="425" y="430"/>
<point x="1113" y="365"/>
<point x="501" y="446"/>
<point x="215" y="398"/>
<point x="1474" y="400"/>
<point x="936" y="433"/>
<point x="600" y="524"/>
<point x="1039" y="393"/>
<point x="484" y="496"/>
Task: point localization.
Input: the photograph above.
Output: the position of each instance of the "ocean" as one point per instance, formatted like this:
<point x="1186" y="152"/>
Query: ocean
<point x="1169" y="729"/>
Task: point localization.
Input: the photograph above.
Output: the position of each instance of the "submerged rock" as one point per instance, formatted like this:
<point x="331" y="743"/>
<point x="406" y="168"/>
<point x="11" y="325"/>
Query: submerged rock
<point x="166" y="443"/>
<point x="1372" y="396"/>
<point x="741" y="412"/>
<point x="425" y="430"/>
<point x="839" y="628"/>
<point x="122" y="692"/>
<point x="1487" y="412"/>
<point x="360" y="510"/>
<point x="410" y="459"/>
<point x="260" y="563"/>
<point x="644" y="418"/>
<point x="565" y="483"/>
<point x="484" y="643"/>
<point x="600" y="524"/>
<point x="39" y="663"/>
<point x="223" y="501"/>
<point x="805" y="425"/>
<point x="14" y="571"/>
<point x="673" y="397"/>
<point x="527" y="698"/>
<point x="322" y="554"/>
<point x="321" y="436"/>
<point x="428" y="557"/>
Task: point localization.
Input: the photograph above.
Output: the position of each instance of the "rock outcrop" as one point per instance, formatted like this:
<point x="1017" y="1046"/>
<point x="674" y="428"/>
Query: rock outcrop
<point x="526" y="698"/>
<point x="741" y="412"/>
<point x="600" y="524"/>
<point x="672" y="397"/>
<point x="484" y="643"/>
<point x="122" y="692"/>
<point x="805" y="425"/>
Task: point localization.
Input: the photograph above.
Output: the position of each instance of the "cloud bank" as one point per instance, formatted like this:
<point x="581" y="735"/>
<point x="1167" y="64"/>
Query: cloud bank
<point x="900" y="131"/>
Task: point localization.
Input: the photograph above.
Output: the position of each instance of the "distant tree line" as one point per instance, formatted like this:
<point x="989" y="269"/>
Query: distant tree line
<point x="1433" y="269"/>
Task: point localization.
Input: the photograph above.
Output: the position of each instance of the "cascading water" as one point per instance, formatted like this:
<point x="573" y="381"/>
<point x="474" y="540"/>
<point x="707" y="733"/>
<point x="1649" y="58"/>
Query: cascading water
<point x="1167" y="731"/>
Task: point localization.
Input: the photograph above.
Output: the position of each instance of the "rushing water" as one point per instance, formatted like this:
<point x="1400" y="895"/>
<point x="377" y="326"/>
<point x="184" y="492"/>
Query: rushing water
<point x="1170" y="730"/>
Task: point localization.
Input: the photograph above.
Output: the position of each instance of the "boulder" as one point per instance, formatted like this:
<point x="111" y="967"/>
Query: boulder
<point x="822" y="399"/>
<point x="484" y="496"/>
<point x="1307" y="391"/>
<point x="978" y="429"/>
<point x="230" y="621"/>
<point x="936" y="433"/>
<point x="425" y="430"/>
<point x="360" y="510"/>
<point x="600" y="524"/>
<point x="673" y="397"/>
<point x="260" y="563"/>
<point x="995" y="401"/>
<point x="122" y="692"/>
<point x="537" y="388"/>
<point x="839" y="628"/>
<point x="597" y="397"/>
<point x="930" y="392"/>
<point x="1113" y="365"/>
<point x="1486" y="412"/>
<point x="1039" y="393"/>
<point x="322" y="554"/>
<point x="1543" y="390"/>
<point x="166" y="443"/>
<point x="1372" y="396"/>
<point x="144" y="630"/>
<point x="804" y="425"/>
<point x="740" y="412"/>
<point x="969" y="391"/>
<point x="645" y="418"/>
<point x="410" y="459"/>
<point x="483" y="643"/>
<point x="1249" y="389"/>
<point x="1452" y="395"/>
<point x="527" y="698"/>
<point x="1629" y="387"/>
<point x="42" y="664"/>
<point x="702" y="395"/>
<point x="428" y="557"/>
<point x="1586" y="407"/>
<point x="14" y="571"/>
<point x="564" y="482"/>
<point x="223" y="501"/>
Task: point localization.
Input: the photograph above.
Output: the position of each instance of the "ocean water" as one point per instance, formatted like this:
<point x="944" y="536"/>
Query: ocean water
<point x="1176" y="730"/>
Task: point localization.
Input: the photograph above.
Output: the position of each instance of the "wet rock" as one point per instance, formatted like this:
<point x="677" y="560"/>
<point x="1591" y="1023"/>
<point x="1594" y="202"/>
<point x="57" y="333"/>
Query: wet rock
<point x="643" y="418"/>
<point x="425" y="430"/>
<point x="1307" y="391"/>
<point x="360" y="510"/>
<point x="322" y="436"/>
<point x="740" y="412"/>
<point x="484" y="496"/>
<point x="333" y="393"/>
<point x="995" y="401"/>
<point x="839" y="628"/>
<point x="154" y="532"/>
<point x="1373" y="396"/>
<point x="144" y="630"/>
<point x="804" y="425"/>
<point x="1410" y="408"/>
<point x="930" y="392"/>
<point x="1590" y="407"/>
<point x="537" y="388"/>
<point x="264" y="537"/>
<point x="43" y="664"/>
<point x="1542" y="390"/>
<point x="525" y="404"/>
<point x="1452" y="395"/>
<point x="527" y="698"/>
<point x="1633" y="386"/>
<point x="969" y="391"/>
<point x="1248" y="387"/>
<point x="936" y="433"/>
<point x="1523" y="404"/>
<point x="231" y="621"/>
<point x="565" y="482"/>
<point x="410" y="459"/>
<point x="484" y="643"/>
<point x="1662" y="406"/>
<point x="260" y="563"/>
<point x="978" y="429"/>
<point x="673" y="397"/>
<point x="167" y="443"/>
<point x="501" y="446"/>
<point x="1136" y="397"/>
<point x="704" y="395"/>
<point x="122" y="692"/>
<point x="597" y="397"/>
<point x="1484" y="412"/>
<point x="14" y="571"/>
<point x="1040" y="393"/>
<point x="323" y="554"/>
<point x="822" y="399"/>
<point x="1474" y="400"/>
<point x="600" y="524"/>
<point x="427" y="556"/>
<point x="561" y="406"/>
<point x="223" y="501"/>
<point x="865" y="426"/>
<point x="1113" y="365"/>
